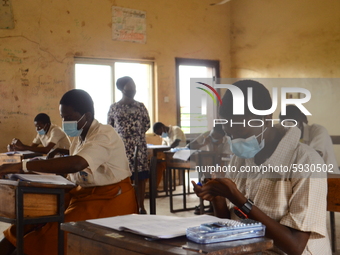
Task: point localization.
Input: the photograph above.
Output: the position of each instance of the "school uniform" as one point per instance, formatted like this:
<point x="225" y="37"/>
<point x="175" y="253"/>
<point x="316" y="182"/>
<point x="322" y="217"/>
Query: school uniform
<point x="54" y="135"/>
<point x="104" y="188"/>
<point x="175" y="133"/>
<point x="296" y="200"/>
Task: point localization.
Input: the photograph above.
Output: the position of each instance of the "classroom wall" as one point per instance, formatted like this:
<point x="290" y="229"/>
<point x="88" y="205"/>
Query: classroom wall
<point x="37" y="56"/>
<point x="291" y="39"/>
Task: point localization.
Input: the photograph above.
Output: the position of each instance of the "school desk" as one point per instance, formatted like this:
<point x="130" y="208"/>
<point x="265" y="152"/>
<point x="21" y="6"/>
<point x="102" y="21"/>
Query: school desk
<point x="85" y="238"/>
<point x="199" y="158"/>
<point x="333" y="204"/>
<point x="24" y="202"/>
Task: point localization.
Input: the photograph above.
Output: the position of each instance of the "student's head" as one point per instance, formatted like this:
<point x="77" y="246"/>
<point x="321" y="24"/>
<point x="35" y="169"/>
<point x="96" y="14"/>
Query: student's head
<point x="238" y="128"/>
<point x="77" y="105"/>
<point x="159" y="128"/>
<point x="127" y="86"/>
<point x="217" y="133"/>
<point x="294" y="113"/>
<point x="42" y="123"/>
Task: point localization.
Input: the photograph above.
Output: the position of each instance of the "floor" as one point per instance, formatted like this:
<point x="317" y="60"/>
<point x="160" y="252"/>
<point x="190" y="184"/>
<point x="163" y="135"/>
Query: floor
<point x="162" y="208"/>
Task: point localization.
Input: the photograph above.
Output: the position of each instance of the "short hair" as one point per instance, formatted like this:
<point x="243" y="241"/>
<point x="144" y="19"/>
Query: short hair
<point x="79" y="100"/>
<point x="218" y="129"/>
<point x="157" y="126"/>
<point x="293" y="112"/>
<point x="261" y="98"/>
<point x="43" y="118"/>
<point x="122" y="81"/>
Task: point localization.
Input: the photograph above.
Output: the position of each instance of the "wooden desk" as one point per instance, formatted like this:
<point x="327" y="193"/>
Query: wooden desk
<point x="24" y="202"/>
<point x="199" y="158"/>
<point x="85" y="238"/>
<point x="6" y="158"/>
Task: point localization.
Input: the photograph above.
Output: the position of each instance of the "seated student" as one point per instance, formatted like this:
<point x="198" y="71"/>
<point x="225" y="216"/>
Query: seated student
<point x="316" y="136"/>
<point x="172" y="136"/>
<point x="291" y="205"/>
<point x="49" y="136"/>
<point x="213" y="140"/>
<point x="97" y="163"/>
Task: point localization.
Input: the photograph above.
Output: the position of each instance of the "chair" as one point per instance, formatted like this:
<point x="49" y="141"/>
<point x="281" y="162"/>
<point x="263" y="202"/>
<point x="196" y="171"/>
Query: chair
<point x="135" y="172"/>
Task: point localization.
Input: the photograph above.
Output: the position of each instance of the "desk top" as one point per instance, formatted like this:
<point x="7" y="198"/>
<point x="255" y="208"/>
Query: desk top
<point x="138" y="244"/>
<point x="34" y="184"/>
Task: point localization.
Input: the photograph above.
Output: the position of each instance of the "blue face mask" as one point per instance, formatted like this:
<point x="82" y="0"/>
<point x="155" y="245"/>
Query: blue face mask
<point x="246" y="148"/>
<point x="70" y="127"/>
<point x="41" y="131"/>
<point x="164" y="135"/>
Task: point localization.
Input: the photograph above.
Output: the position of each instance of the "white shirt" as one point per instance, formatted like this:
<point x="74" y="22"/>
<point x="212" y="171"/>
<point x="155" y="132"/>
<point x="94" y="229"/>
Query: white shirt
<point x="296" y="200"/>
<point x="104" y="151"/>
<point x="54" y="135"/>
<point x="175" y="133"/>
<point x="317" y="137"/>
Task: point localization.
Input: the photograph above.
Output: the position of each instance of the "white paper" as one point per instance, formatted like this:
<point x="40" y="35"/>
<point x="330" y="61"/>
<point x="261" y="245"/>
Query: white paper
<point x="155" y="226"/>
<point x="157" y="146"/>
<point x="183" y="154"/>
<point x="51" y="179"/>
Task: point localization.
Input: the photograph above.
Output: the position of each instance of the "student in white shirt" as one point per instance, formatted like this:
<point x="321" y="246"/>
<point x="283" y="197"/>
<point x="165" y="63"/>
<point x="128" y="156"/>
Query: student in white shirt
<point x="97" y="164"/>
<point x="49" y="135"/>
<point x="291" y="204"/>
<point x="172" y="136"/>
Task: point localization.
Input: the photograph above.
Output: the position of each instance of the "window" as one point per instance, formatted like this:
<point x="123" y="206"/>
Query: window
<point x="186" y="69"/>
<point x="98" y="77"/>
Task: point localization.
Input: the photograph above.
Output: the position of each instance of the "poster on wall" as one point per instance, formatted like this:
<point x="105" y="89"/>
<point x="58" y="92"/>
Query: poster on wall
<point x="128" y="25"/>
<point x="6" y="15"/>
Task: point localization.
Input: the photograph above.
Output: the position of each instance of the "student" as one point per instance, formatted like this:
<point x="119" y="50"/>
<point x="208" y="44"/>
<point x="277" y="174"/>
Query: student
<point x="97" y="163"/>
<point x="131" y="121"/>
<point x="316" y="136"/>
<point x="214" y="140"/>
<point x="50" y="136"/>
<point x="172" y="136"/>
<point x="292" y="205"/>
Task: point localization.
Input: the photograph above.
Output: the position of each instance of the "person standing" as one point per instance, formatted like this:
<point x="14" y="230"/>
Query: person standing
<point x="131" y="121"/>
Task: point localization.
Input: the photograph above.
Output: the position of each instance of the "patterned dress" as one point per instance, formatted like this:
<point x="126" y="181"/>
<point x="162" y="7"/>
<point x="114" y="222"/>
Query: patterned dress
<point x="131" y="121"/>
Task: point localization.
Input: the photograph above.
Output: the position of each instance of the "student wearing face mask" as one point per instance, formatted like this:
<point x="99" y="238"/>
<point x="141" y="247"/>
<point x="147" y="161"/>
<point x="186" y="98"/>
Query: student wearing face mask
<point x="49" y="136"/>
<point x="264" y="184"/>
<point x="97" y="164"/>
<point x="172" y="136"/>
<point x="131" y="121"/>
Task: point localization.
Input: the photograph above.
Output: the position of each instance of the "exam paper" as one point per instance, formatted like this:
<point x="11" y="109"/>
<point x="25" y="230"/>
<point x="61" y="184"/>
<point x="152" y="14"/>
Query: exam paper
<point x="51" y="179"/>
<point x="154" y="226"/>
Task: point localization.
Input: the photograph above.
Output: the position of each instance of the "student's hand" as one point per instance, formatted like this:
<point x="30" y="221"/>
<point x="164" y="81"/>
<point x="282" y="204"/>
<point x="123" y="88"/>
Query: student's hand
<point x="10" y="169"/>
<point x="223" y="187"/>
<point x="17" y="144"/>
<point x="52" y="153"/>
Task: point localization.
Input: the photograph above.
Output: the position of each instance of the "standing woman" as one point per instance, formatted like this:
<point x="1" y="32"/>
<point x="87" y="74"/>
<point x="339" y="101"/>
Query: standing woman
<point x="131" y="121"/>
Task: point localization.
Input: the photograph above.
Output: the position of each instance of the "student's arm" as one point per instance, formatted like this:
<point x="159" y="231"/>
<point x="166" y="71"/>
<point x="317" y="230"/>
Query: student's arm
<point x="175" y="143"/>
<point x="71" y="164"/>
<point x="19" y="146"/>
<point x="289" y="240"/>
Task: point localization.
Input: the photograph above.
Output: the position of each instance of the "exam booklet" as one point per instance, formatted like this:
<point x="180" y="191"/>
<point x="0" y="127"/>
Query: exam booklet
<point x="154" y="226"/>
<point x="44" y="178"/>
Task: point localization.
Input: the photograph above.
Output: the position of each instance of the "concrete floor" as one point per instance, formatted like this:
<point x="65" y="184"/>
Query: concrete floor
<point x="162" y="208"/>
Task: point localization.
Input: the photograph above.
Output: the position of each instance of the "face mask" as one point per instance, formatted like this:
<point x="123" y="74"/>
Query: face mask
<point x="164" y="135"/>
<point x="246" y="148"/>
<point x="70" y="127"/>
<point x="42" y="131"/>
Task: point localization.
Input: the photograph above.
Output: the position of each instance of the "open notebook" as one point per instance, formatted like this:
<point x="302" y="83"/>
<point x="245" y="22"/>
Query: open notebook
<point x="154" y="226"/>
<point x="48" y="178"/>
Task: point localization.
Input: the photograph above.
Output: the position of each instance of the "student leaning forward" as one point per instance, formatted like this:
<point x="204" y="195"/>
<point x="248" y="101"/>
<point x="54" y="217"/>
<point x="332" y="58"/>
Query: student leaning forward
<point x="97" y="164"/>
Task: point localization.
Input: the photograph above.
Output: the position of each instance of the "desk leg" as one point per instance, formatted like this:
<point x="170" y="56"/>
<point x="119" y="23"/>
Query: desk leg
<point x="333" y="233"/>
<point x="20" y="221"/>
<point x="184" y="189"/>
<point x="153" y="184"/>
<point x="61" y="210"/>
<point x="169" y="173"/>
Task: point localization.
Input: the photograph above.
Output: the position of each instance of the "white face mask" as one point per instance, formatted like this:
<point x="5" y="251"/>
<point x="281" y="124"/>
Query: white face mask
<point x="246" y="147"/>
<point x="70" y="127"/>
